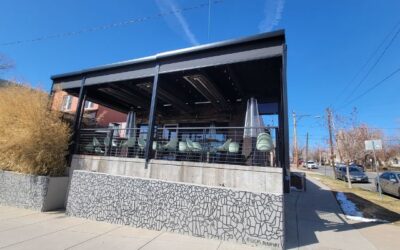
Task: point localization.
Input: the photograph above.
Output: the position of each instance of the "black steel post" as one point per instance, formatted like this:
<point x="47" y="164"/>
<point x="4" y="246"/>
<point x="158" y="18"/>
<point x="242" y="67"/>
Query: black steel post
<point x="77" y="120"/>
<point x="283" y="126"/>
<point x="150" y="130"/>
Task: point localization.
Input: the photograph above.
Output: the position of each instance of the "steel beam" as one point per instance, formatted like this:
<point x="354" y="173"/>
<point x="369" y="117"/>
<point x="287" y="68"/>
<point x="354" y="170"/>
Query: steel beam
<point x="78" y="119"/>
<point x="150" y="129"/>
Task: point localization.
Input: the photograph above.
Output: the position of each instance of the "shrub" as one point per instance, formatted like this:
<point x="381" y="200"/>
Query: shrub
<point x="33" y="139"/>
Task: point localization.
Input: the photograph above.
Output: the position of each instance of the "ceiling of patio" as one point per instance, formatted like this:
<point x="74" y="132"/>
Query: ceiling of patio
<point x="222" y="88"/>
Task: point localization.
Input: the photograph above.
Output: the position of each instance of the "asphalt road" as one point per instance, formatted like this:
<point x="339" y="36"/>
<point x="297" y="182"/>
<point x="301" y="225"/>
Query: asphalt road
<point x="328" y="171"/>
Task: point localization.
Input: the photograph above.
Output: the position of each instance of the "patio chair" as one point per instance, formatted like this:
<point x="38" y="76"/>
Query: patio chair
<point x="94" y="147"/>
<point x="142" y="144"/>
<point x="233" y="147"/>
<point x="182" y="149"/>
<point x="264" y="142"/>
<point x="222" y="151"/>
<point x="233" y="152"/>
<point x="194" y="146"/>
<point x="107" y="144"/>
<point x="130" y="143"/>
<point x="155" y="145"/>
<point x="195" y="149"/>
<point x="170" y="146"/>
<point x="264" y="145"/>
<point x="224" y="147"/>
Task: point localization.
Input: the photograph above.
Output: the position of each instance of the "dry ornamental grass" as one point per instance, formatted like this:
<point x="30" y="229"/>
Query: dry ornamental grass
<point x="33" y="139"/>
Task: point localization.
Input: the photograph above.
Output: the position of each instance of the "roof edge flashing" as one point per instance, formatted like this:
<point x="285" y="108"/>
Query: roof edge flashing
<point x="169" y="54"/>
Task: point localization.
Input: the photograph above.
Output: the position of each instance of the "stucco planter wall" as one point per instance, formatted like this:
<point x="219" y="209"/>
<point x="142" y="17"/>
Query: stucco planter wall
<point x="42" y="193"/>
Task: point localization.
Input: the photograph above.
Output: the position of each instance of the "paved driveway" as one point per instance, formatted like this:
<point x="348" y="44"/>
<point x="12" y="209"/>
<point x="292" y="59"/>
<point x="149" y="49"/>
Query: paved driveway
<point x="26" y="229"/>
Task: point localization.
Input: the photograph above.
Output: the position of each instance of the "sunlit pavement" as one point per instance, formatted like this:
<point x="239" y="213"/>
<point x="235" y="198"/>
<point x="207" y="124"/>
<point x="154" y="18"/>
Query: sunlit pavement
<point x="26" y="229"/>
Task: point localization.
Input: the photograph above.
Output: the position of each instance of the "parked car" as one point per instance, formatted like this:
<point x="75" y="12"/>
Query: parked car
<point x="361" y="167"/>
<point x="390" y="183"/>
<point x="311" y="165"/>
<point x="356" y="175"/>
<point x="339" y="165"/>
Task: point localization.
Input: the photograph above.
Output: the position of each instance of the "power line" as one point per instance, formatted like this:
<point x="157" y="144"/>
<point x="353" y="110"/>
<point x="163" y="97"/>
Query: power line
<point x="371" y="88"/>
<point x="367" y="62"/>
<point x="374" y="65"/>
<point x="113" y="25"/>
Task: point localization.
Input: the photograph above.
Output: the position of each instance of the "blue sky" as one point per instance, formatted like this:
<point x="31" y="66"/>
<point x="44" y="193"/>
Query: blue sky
<point x="328" y="42"/>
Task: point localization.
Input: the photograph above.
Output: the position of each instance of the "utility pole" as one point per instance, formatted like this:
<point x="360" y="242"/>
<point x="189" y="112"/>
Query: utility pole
<point x="377" y="170"/>
<point x="320" y="156"/>
<point x="306" y="149"/>
<point x="329" y="115"/>
<point x="296" y="152"/>
<point x="348" y="174"/>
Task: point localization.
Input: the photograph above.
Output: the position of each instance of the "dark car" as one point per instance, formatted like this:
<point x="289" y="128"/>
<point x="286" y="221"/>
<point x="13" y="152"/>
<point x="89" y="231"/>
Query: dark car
<point x="390" y="183"/>
<point x="356" y="175"/>
<point x="361" y="167"/>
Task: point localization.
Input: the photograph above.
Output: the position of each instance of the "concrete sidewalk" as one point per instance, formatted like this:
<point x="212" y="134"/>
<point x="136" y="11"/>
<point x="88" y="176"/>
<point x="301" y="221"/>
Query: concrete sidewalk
<point x="26" y="229"/>
<point x="314" y="220"/>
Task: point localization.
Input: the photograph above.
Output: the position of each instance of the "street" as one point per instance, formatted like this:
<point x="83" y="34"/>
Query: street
<point x="328" y="171"/>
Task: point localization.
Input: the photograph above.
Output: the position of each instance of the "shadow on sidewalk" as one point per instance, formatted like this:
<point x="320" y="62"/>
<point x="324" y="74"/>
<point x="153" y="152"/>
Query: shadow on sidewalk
<point x="317" y="212"/>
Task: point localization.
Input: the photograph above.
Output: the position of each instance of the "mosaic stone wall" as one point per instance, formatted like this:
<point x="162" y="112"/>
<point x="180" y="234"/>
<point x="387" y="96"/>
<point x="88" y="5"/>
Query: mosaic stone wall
<point x="210" y="212"/>
<point x="21" y="190"/>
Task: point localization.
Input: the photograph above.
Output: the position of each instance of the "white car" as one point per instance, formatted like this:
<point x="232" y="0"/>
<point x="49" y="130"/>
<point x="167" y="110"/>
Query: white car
<point x="311" y="165"/>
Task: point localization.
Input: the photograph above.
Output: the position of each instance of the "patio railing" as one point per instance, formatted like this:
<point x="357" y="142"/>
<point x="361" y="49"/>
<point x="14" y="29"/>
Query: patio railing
<point x="225" y="145"/>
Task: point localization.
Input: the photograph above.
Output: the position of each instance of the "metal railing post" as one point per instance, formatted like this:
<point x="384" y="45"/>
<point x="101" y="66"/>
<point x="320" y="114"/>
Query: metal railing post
<point x="110" y="142"/>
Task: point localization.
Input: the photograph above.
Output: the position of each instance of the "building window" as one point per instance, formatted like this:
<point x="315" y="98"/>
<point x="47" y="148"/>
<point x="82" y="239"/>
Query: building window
<point x="66" y="103"/>
<point x="88" y="105"/>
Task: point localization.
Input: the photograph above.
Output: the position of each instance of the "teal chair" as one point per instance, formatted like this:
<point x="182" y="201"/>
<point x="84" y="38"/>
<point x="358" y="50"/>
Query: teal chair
<point x="130" y="143"/>
<point x="264" y="145"/>
<point x="194" y="146"/>
<point x="233" y="147"/>
<point x="264" y="142"/>
<point x="182" y="150"/>
<point x="170" y="146"/>
<point x="224" y="147"/>
<point x="107" y="143"/>
<point x="141" y="143"/>
<point x="94" y="147"/>
<point x="182" y="147"/>
<point x="195" y="149"/>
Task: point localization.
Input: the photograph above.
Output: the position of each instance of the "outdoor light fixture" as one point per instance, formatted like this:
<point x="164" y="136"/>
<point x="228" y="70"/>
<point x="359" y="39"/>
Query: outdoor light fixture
<point x="206" y="88"/>
<point x="205" y="102"/>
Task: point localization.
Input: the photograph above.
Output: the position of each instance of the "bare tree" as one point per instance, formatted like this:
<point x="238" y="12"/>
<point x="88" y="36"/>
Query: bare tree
<point x="350" y="138"/>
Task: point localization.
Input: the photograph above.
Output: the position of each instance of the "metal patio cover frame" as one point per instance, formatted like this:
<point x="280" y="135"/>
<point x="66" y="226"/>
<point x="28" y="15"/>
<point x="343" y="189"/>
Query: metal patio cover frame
<point x="261" y="46"/>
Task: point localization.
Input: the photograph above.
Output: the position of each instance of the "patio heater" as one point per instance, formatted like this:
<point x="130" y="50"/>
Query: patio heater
<point x="131" y="124"/>
<point x="253" y="126"/>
